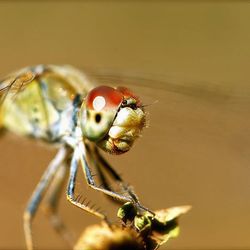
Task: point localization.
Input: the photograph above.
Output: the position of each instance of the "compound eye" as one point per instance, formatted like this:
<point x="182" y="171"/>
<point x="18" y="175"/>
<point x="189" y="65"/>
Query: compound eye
<point x="128" y="94"/>
<point x="104" y="98"/>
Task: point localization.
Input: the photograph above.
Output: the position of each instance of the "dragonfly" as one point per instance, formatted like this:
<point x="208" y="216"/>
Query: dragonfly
<point x="61" y="106"/>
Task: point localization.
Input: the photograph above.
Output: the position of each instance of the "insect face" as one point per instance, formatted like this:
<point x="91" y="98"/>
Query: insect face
<point x="113" y="118"/>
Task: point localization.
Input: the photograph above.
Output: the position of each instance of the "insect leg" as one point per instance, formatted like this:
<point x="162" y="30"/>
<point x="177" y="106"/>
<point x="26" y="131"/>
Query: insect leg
<point x="103" y="162"/>
<point x="104" y="180"/>
<point x="50" y="206"/>
<point x="100" y="173"/>
<point x="71" y="189"/>
<point x="82" y="155"/>
<point x="39" y="193"/>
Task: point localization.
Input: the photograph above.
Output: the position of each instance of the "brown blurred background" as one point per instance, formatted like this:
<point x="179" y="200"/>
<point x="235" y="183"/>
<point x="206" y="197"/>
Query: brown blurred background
<point x="197" y="148"/>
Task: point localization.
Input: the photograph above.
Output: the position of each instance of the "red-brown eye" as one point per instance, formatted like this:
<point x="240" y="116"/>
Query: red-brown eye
<point x="104" y="98"/>
<point x="127" y="93"/>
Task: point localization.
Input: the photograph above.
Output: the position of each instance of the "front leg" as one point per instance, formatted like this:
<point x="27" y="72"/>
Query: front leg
<point x="131" y="198"/>
<point x="100" y="164"/>
<point x="71" y="189"/>
<point x="82" y="154"/>
<point x="103" y="163"/>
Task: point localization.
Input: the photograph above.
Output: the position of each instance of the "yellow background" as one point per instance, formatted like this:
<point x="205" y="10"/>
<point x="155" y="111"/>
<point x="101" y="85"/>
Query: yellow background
<point x="194" y="59"/>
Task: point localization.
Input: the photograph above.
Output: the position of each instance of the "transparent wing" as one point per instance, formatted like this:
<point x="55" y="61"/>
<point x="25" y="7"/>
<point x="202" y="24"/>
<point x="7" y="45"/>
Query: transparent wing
<point x="188" y="87"/>
<point x="16" y="82"/>
<point x="147" y="84"/>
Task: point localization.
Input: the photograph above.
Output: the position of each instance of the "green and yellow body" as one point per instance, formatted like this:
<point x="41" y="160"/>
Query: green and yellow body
<point x="41" y="101"/>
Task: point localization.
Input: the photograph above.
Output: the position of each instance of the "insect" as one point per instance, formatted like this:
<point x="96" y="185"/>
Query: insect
<point x="60" y="106"/>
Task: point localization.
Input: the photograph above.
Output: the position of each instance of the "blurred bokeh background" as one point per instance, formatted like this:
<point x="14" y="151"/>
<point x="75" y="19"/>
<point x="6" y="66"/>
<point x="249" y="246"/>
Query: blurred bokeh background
<point x="193" y="58"/>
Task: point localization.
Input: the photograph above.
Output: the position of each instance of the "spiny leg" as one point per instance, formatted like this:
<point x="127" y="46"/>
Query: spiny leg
<point x="39" y="193"/>
<point x="104" y="181"/>
<point x="101" y="161"/>
<point x="71" y="190"/>
<point x="81" y="152"/>
<point x="50" y="206"/>
<point x="101" y="175"/>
